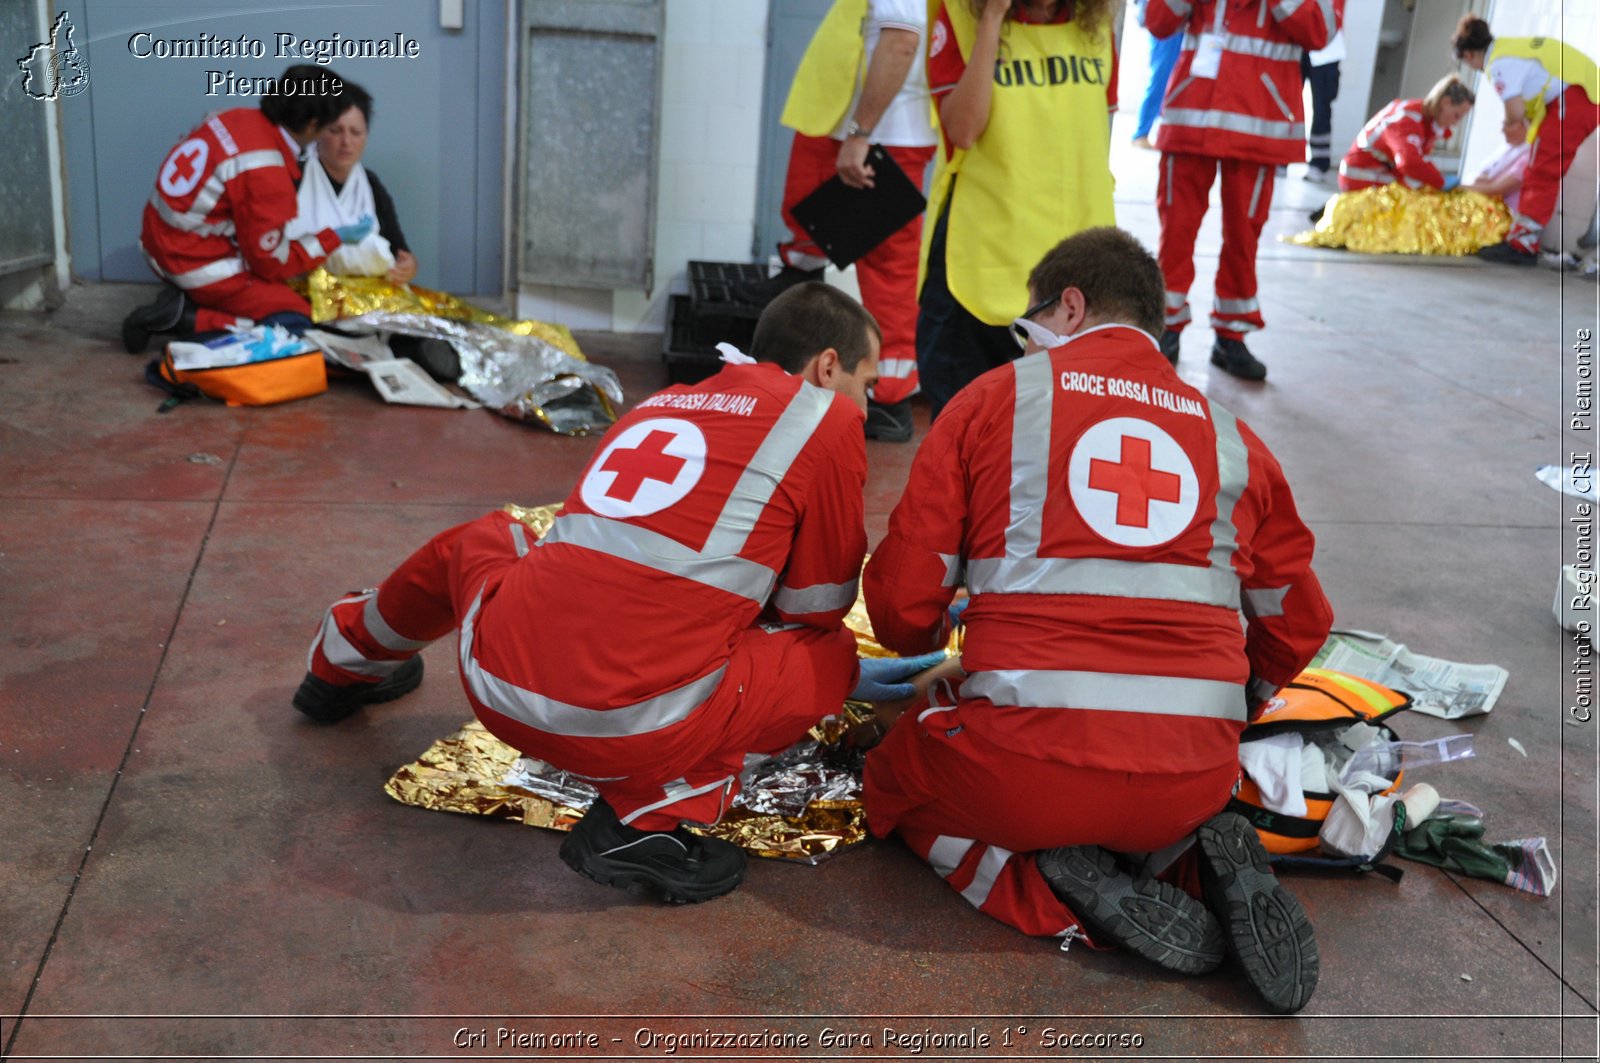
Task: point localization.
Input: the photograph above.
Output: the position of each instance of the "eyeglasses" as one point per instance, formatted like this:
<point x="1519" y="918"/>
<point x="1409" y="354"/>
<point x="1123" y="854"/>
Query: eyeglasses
<point x="1019" y="330"/>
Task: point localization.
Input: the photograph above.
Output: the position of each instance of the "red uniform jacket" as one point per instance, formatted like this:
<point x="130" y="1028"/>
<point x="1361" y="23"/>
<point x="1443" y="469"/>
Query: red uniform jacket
<point x="1392" y="147"/>
<point x="705" y="509"/>
<point x="1251" y="107"/>
<point x="221" y="201"/>
<point x="1110" y="524"/>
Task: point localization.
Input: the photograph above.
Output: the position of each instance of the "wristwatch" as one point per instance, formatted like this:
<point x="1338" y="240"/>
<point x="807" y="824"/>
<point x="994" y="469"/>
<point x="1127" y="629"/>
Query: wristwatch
<point x="854" y="128"/>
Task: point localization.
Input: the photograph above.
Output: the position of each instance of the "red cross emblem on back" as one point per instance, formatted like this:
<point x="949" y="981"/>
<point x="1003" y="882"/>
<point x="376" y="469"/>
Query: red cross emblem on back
<point x="183" y="165"/>
<point x="1135" y="482"/>
<point x="647" y="461"/>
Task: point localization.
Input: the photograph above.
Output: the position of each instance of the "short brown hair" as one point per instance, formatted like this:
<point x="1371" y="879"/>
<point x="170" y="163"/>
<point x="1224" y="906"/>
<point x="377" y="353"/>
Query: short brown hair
<point x="1119" y="279"/>
<point x="1472" y="35"/>
<point x="808" y="319"/>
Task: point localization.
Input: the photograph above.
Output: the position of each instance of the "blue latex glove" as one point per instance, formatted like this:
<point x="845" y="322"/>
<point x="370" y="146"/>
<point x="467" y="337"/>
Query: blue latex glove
<point x="1452" y="182"/>
<point x="884" y="678"/>
<point x="354" y="234"/>
<point x="957" y="607"/>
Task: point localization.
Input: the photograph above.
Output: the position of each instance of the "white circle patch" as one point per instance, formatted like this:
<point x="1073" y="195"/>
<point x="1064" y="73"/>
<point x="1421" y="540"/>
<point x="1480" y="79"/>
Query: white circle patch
<point x="184" y="167"/>
<point x="1132" y="483"/>
<point x="270" y="238"/>
<point x="646" y="468"/>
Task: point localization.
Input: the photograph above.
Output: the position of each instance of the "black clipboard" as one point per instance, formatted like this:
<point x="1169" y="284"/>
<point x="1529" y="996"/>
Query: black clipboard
<point x="848" y="222"/>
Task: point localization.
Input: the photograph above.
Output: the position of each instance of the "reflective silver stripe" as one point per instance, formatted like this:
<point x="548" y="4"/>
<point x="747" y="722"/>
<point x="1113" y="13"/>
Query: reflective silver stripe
<point x="1412" y="182"/>
<point x="311" y="246"/>
<point x="766" y="470"/>
<point x="1277" y="97"/>
<point x="519" y="538"/>
<point x="381" y="632"/>
<point x="947" y="853"/>
<point x="676" y="791"/>
<point x="1233" y="473"/>
<point x="1228" y="122"/>
<point x="1361" y="173"/>
<point x="1170" y="160"/>
<point x="1180" y="316"/>
<point x="224" y="138"/>
<point x="817" y="598"/>
<point x="952" y="569"/>
<point x="1156" y="695"/>
<point x="1242" y="45"/>
<point x="1178" y="7"/>
<point x="210" y="273"/>
<point x="190" y="222"/>
<point x="1259" y="690"/>
<point x="1330" y="18"/>
<point x="1030" y="454"/>
<point x="1255" y="193"/>
<point x="1177" y="299"/>
<point x="1285" y="8"/>
<point x="1103" y="576"/>
<point x="1177" y="89"/>
<point x="1264" y="601"/>
<point x="629" y="542"/>
<point x="576" y="721"/>
<point x="990" y="865"/>
<point x="1233" y="324"/>
<point x="342" y="654"/>
<point x="1236" y="306"/>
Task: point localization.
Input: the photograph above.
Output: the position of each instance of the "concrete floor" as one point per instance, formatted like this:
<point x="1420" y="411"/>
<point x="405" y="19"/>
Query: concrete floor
<point x="192" y="870"/>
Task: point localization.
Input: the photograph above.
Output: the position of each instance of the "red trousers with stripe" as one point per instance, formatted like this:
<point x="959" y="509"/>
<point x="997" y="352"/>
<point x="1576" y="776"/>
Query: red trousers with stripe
<point x="1568" y="123"/>
<point x="1183" y="195"/>
<point x="887" y="274"/>
<point x="241" y="299"/>
<point x="979" y="814"/>
<point x="770" y="696"/>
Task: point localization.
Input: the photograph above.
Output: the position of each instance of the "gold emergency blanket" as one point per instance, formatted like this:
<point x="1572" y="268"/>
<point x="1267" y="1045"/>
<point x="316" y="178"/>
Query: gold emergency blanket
<point x="1395" y="220"/>
<point x="525" y="370"/>
<point x="802" y="805"/>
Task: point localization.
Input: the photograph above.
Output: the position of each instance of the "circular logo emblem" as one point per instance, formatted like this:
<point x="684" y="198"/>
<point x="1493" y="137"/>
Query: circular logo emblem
<point x="940" y="36"/>
<point x="184" y="167"/>
<point x="1132" y="483"/>
<point x="270" y="238"/>
<point x="646" y="468"/>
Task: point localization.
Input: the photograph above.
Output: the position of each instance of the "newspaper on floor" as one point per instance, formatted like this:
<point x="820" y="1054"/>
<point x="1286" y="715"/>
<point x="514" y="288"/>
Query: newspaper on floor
<point x="398" y="380"/>
<point x="1441" y="688"/>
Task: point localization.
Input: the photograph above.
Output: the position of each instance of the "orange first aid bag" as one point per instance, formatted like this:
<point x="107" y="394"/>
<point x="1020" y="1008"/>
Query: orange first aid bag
<point x="251" y="367"/>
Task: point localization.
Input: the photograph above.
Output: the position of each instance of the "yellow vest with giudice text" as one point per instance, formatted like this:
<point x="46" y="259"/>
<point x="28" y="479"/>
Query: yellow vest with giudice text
<point x="1038" y="173"/>
<point x="825" y="81"/>
<point x="1560" y="60"/>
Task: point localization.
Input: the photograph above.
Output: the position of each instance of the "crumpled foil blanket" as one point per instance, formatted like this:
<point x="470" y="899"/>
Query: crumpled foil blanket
<point x="1397" y="220"/>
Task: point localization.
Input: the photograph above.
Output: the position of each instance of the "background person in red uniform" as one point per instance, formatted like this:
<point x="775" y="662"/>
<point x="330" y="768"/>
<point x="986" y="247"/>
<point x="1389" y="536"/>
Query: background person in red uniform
<point x="1394" y="144"/>
<point x="684" y="610"/>
<point x="1111" y="524"/>
<point x="1234" y="106"/>
<point x="214" y="226"/>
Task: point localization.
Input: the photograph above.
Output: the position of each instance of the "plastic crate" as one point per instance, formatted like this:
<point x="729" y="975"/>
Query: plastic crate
<point x="689" y="355"/>
<point x="712" y="287"/>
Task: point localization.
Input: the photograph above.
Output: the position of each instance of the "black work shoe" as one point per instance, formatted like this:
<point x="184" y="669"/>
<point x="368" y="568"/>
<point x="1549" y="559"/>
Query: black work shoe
<point x="1169" y="346"/>
<point x="1507" y="253"/>
<point x="328" y="702"/>
<point x="172" y="312"/>
<point x="762" y="292"/>
<point x="1235" y="359"/>
<point x="685" y="868"/>
<point x="1266" y="928"/>
<point x="1151" y="919"/>
<point x="890" y="423"/>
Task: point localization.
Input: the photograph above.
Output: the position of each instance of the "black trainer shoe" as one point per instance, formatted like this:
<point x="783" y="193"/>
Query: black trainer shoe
<point x="762" y="292"/>
<point x="1151" y="919"/>
<point x="328" y="702"/>
<point x="1508" y="254"/>
<point x="1235" y="359"/>
<point x="683" y="867"/>
<point x="890" y="423"/>
<point x="1169" y="345"/>
<point x="172" y="312"/>
<point x="1266" y="927"/>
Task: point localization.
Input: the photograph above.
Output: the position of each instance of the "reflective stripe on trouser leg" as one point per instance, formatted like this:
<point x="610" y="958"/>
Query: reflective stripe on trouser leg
<point x="1181" y="201"/>
<point x="999" y="883"/>
<point x="347" y="649"/>
<point x="887" y="276"/>
<point x="1246" y="202"/>
<point x="1566" y="126"/>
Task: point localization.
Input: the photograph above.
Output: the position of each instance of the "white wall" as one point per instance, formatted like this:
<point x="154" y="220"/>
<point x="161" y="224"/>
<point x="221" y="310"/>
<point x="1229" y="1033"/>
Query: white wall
<point x="1352" y="108"/>
<point x="1575" y="21"/>
<point x="714" y="57"/>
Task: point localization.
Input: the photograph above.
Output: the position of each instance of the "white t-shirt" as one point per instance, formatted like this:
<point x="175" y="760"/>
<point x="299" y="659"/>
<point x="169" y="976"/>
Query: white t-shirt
<point x="1514" y="76"/>
<point x="908" y="120"/>
<point x="1333" y="53"/>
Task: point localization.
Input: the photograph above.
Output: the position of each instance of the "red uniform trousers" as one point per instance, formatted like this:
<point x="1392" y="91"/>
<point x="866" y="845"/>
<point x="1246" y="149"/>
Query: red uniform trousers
<point x="978" y="813"/>
<point x="241" y="299"/>
<point x="887" y="274"/>
<point x="1570" y="119"/>
<point x="767" y="701"/>
<point x="1182" y="197"/>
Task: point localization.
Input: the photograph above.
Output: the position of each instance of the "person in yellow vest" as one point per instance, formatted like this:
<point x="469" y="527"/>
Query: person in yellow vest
<point x="861" y="82"/>
<point x="1023" y="89"/>
<point x="1553" y="90"/>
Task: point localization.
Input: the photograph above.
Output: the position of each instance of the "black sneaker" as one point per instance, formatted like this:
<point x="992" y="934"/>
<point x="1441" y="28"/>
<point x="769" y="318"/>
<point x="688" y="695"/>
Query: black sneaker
<point x="762" y="292"/>
<point x="172" y="312"/>
<point x="1266" y="927"/>
<point x="1151" y="919"/>
<point x="1169" y="346"/>
<point x="1235" y="359"/>
<point x="685" y="868"/>
<point x="891" y="423"/>
<point x="1508" y="254"/>
<point x="328" y="702"/>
